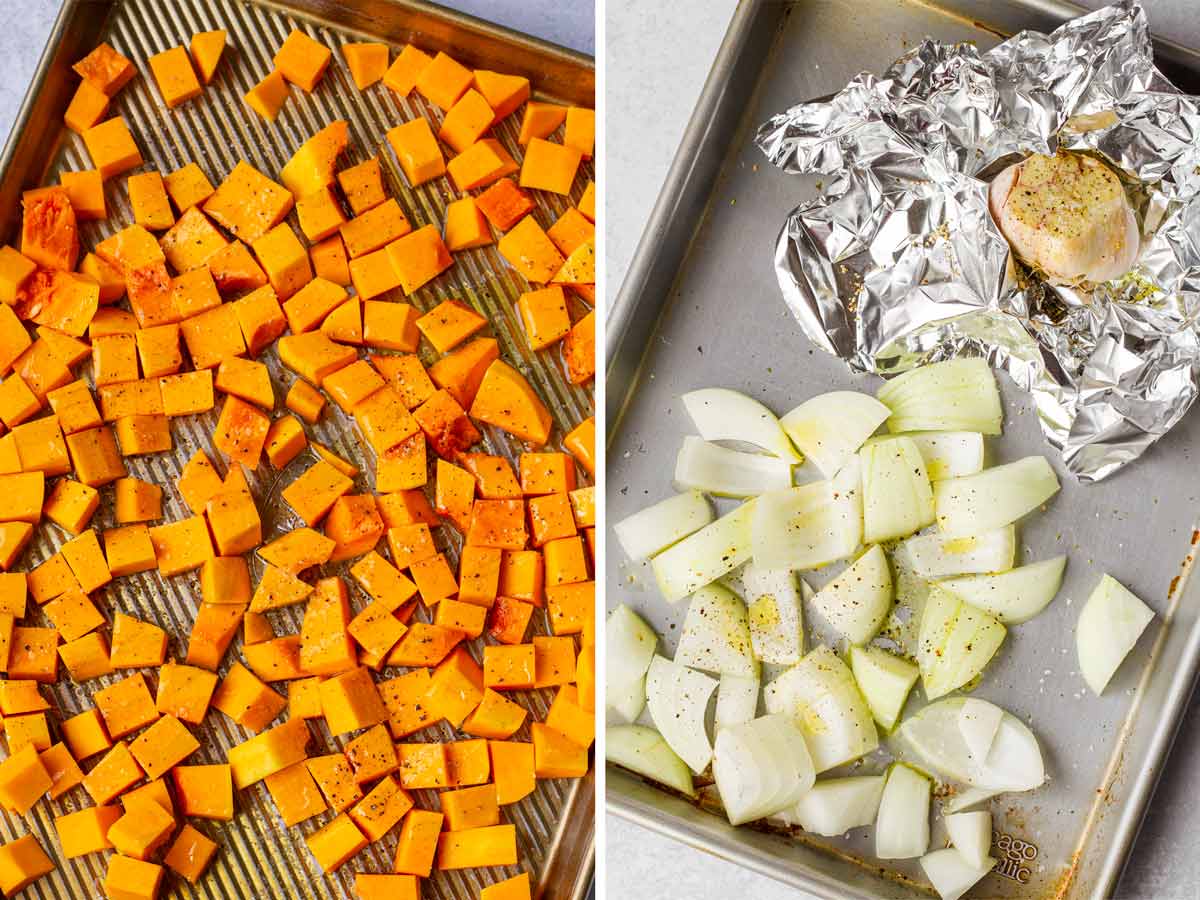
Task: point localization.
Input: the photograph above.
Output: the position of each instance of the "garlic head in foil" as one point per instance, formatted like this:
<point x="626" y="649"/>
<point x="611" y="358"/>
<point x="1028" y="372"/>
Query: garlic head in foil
<point x="1067" y="216"/>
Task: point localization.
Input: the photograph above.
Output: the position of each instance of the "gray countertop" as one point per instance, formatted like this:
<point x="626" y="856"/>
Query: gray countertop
<point x="658" y="55"/>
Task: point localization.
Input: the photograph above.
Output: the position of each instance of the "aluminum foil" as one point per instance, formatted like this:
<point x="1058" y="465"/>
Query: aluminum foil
<point x="899" y="262"/>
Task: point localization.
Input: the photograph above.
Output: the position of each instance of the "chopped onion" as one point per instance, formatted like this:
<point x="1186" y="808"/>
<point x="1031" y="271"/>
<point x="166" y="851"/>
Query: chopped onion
<point x="820" y="694"/>
<point x="857" y="602"/>
<point x="885" y="681"/>
<point x="737" y="700"/>
<point x="1015" y="596"/>
<point x="715" y="550"/>
<point x="902" y="826"/>
<point x="716" y="634"/>
<point x="729" y="473"/>
<point x="957" y="642"/>
<point x="897" y="497"/>
<point x="811" y="525"/>
<point x="956" y="395"/>
<point x="629" y="646"/>
<point x="776" y="614"/>
<point x="978" y="721"/>
<point x="994" y="497"/>
<point x="678" y="700"/>
<point x="836" y="805"/>
<point x="951" y="874"/>
<point x="657" y="527"/>
<point x="939" y="556"/>
<point x="761" y="768"/>
<point x="829" y="428"/>
<point x="971" y="835"/>
<point x="1111" y="622"/>
<point x="949" y="454"/>
<point x="626" y="700"/>
<point x="968" y="797"/>
<point x="724" y="415"/>
<point x="643" y="750"/>
<point x="934" y="739"/>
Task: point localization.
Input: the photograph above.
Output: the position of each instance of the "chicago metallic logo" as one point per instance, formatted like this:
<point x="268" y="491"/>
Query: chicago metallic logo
<point x="1014" y="857"/>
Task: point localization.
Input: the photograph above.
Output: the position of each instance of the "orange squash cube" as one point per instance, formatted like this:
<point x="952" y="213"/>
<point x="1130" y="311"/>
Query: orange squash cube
<point x="206" y="792"/>
<point x="363" y="185"/>
<point x="86" y="831"/>
<point x="505" y="399"/>
<point x="509" y="620"/>
<point x="334" y="776"/>
<point x="296" y="794"/>
<point x="206" y="48"/>
<point x="494" y="845"/>
<point x="181" y="546"/>
<point x="248" y="203"/>
<point x="466" y="121"/>
<point x="495" y="717"/>
<point x="530" y="251"/>
<point x="480" y="164"/>
<point x="515" y="888"/>
<point x="513" y="767"/>
<point x="177" y="81"/>
<point x="580" y="133"/>
<point x="190" y="852"/>
<point x="418" y="843"/>
<point x="132" y="879"/>
<point x="106" y="69"/>
<point x="540" y="121"/>
<point x="403" y="73"/>
<point x="366" y="61"/>
<point x="466" y="226"/>
<point x="417" y="150"/>
<point x="22" y="862"/>
<point x="86" y="108"/>
<point x="112" y="148"/>
<point x="268" y="96"/>
<point x="509" y="667"/>
<point x="301" y="60"/>
<point x="505" y="204"/>
<point x="504" y="93"/>
<point x="544" y="315"/>
<point x="351" y="701"/>
<point x="284" y="259"/>
<point x="269" y="752"/>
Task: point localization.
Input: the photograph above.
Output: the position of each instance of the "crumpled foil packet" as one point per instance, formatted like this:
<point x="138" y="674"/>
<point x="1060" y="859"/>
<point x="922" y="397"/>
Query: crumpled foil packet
<point x="899" y="262"/>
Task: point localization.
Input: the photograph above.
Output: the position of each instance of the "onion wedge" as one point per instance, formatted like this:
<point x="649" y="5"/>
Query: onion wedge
<point x="968" y="797"/>
<point x="831" y="427"/>
<point x="949" y="454"/>
<point x="957" y="641"/>
<point x="775" y="612"/>
<point x="971" y="835"/>
<point x="737" y="701"/>
<point x="626" y="700"/>
<point x="857" y="602"/>
<point x="885" y="681"/>
<point x="811" y="525"/>
<point x="897" y="497"/>
<point x="657" y="527"/>
<point x="729" y="473"/>
<point x="701" y="558"/>
<point x="835" y="805"/>
<point x="978" y="721"/>
<point x="821" y="696"/>
<point x="761" y="768"/>
<point x="1111" y="622"/>
<point x="951" y="874"/>
<point x="643" y="750"/>
<point x="678" y="700"/>
<point x="716" y="634"/>
<point x="628" y="648"/>
<point x="902" y="826"/>
<point x="724" y="415"/>
<point x="1015" y="596"/>
<point x="955" y="395"/>
<point x="933" y="738"/>
<point x="939" y="556"/>
<point x="994" y="497"/>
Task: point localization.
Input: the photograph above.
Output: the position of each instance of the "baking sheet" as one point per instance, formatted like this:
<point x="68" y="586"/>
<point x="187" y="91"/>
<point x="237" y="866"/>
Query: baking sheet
<point x="700" y="307"/>
<point x="258" y="856"/>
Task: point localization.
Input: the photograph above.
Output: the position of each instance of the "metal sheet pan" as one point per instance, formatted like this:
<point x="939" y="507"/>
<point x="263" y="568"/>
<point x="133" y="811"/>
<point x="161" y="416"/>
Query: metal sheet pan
<point x="258" y="856"/>
<point x="700" y="307"/>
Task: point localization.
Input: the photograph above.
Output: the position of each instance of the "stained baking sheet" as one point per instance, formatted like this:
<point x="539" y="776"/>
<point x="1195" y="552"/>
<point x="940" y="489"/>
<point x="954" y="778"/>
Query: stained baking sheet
<point x="700" y="307"/>
<point x="258" y="856"/>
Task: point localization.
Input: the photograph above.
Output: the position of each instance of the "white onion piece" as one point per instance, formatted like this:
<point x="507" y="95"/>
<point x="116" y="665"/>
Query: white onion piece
<point x="968" y="797"/>
<point x="629" y="646"/>
<point x="1111" y="622"/>
<point x="857" y="602"/>
<point x="737" y="700"/>
<point x="956" y="395"/>
<point x="724" y="415"/>
<point x="994" y="497"/>
<point x="811" y="525"/>
<point x="933" y="738"/>
<point x="971" y="835"/>
<point x="961" y="650"/>
<point x="1015" y="596"/>
<point x="897" y="497"/>
<point x="829" y="428"/>
<point x="939" y="556"/>
<point x="937" y="618"/>
<point x="678" y="700"/>
<point x="821" y="696"/>
<point x="951" y="874"/>
<point x="729" y="473"/>
<point x="716" y="634"/>
<point x="626" y="700"/>
<point x="885" y="681"/>
<point x="643" y="750"/>
<point x="949" y="454"/>
<point x="657" y="527"/>
<point x="776" y="614"/>
<point x="761" y="768"/>
<point x="699" y="559"/>
<point x="836" y="805"/>
<point x="978" y="721"/>
<point x="902" y="826"/>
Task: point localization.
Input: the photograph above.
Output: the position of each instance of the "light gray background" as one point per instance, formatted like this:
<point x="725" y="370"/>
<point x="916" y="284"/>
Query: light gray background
<point x="657" y="56"/>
